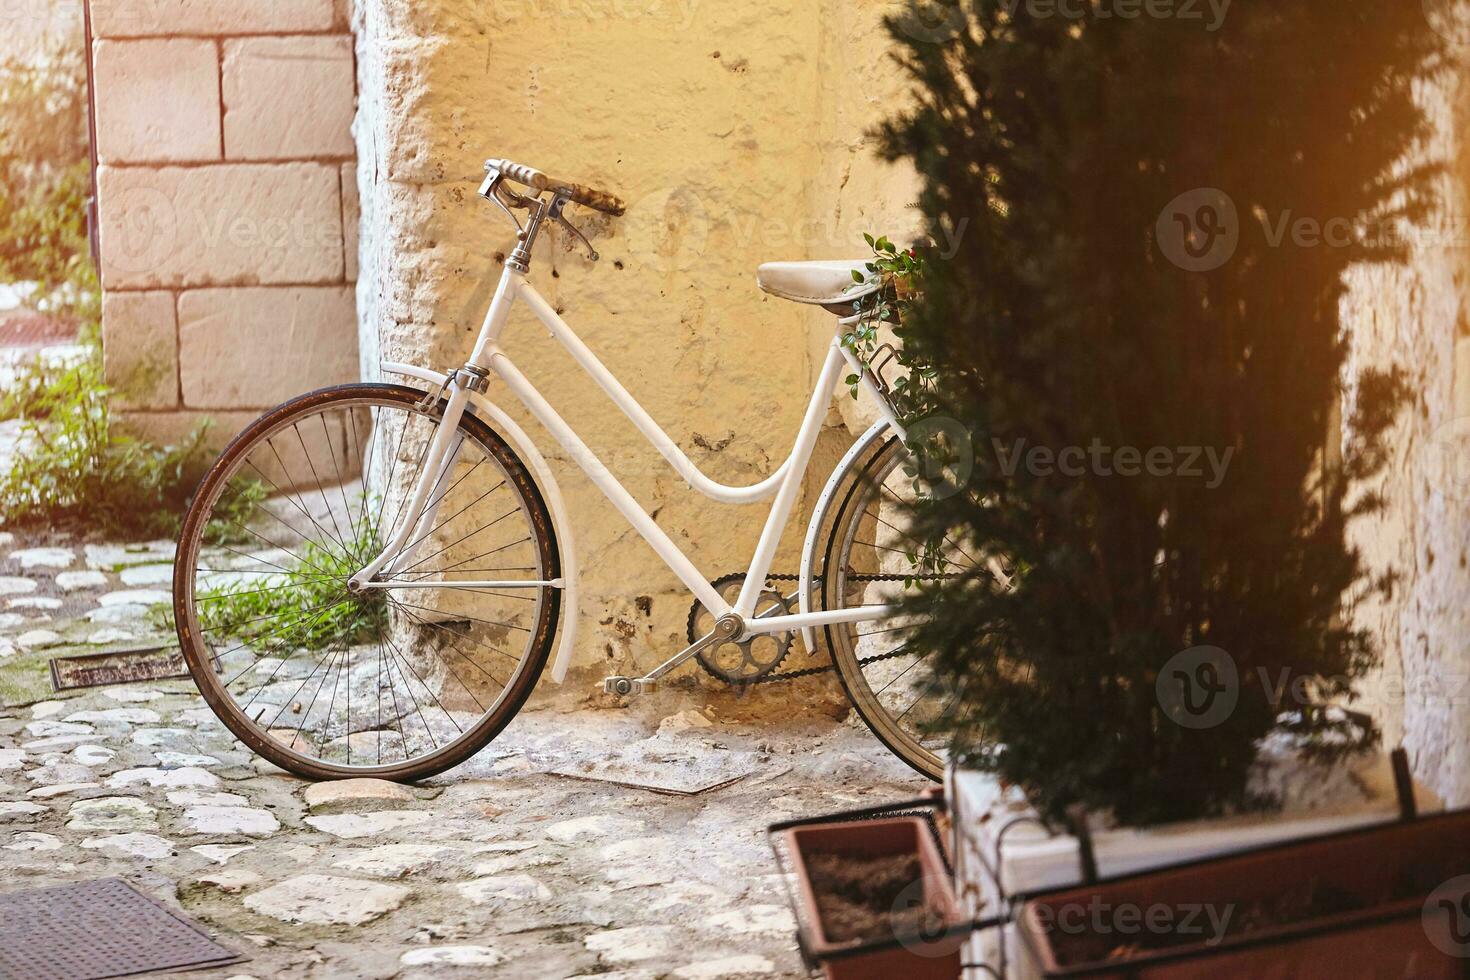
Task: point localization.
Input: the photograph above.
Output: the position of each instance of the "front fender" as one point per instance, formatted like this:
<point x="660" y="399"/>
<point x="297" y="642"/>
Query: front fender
<point x="527" y="450"/>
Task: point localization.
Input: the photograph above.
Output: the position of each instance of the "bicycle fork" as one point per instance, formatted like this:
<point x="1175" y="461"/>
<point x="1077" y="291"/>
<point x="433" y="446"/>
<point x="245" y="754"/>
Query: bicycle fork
<point x="442" y="454"/>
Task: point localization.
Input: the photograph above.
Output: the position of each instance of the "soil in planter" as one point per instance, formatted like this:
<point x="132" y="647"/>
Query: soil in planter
<point x="862" y="898"/>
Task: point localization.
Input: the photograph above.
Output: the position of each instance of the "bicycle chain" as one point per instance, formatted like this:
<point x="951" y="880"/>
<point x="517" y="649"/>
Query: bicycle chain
<point x="791" y="675"/>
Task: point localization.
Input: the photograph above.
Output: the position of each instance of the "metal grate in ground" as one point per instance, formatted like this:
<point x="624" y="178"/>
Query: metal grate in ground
<point x="98" y="929"/>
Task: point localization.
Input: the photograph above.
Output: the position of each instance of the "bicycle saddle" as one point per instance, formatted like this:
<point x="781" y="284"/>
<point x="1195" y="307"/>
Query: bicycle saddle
<point x="820" y="283"/>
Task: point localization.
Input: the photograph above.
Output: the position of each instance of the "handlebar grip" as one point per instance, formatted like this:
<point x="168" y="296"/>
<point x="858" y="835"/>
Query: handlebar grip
<point x="592" y="197"/>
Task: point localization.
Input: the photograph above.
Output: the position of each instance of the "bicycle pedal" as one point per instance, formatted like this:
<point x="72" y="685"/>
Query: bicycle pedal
<point x="625" y="686"/>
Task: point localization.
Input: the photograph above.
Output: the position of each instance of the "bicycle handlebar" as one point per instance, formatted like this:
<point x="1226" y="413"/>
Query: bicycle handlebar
<point x="592" y="197"/>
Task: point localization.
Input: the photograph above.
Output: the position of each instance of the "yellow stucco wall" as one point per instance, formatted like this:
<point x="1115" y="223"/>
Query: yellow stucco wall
<point x="736" y="134"/>
<point x="1414" y="317"/>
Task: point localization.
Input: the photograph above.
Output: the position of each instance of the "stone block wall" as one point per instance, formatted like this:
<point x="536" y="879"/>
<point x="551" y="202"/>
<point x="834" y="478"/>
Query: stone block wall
<point x="227" y="206"/>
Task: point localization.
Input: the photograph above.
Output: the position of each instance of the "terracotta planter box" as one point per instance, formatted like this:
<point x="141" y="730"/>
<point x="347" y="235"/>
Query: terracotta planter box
<point x="917" y="956"/>
<point x="1002" y="851"/>
<point x="1352" y="904"/>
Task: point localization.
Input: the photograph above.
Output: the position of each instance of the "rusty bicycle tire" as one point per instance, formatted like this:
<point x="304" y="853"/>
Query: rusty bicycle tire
<point x="199" y="658"/>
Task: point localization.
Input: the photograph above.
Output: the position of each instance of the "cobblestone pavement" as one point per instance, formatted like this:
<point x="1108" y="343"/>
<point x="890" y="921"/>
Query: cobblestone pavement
<point x="499" y="868"/>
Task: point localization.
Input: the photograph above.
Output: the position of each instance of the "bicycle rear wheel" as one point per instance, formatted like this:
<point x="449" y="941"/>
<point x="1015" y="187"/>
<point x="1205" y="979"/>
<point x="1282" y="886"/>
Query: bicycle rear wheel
<point x="396" y="683"/>
<point x="871" y="558"/>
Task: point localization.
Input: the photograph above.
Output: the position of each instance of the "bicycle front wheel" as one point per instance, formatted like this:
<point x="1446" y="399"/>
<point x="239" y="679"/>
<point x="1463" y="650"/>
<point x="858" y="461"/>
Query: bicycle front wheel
<point x="329" y="682"/>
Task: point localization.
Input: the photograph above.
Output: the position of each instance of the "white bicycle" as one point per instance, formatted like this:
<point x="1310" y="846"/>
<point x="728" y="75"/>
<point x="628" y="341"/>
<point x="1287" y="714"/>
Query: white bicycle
<point x="371" y="576"/>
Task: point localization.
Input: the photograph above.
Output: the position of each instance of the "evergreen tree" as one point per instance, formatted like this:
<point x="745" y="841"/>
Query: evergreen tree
<point x="1122" y="283"/>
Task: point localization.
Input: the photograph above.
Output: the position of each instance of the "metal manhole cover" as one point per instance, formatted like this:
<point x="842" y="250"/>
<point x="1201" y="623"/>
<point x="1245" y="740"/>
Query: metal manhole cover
<point x="98" y="929"/>
<point x="150" y="663"/>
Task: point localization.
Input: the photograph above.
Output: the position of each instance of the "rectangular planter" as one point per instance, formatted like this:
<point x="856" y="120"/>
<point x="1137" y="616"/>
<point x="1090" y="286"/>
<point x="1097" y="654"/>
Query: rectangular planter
<point x="1351" y="904"/>
<point x="913" y="957"/>
<point x="1001" y="850"/>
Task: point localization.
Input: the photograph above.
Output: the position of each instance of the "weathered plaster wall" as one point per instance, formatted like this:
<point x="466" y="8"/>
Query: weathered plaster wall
<point x="856" y="193"/>
<point x="1415" y="317"/>
<point x="720" y="125"/>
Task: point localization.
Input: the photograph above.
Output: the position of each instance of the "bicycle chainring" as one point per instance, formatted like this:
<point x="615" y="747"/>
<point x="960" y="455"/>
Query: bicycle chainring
<point x="747" y="661"/>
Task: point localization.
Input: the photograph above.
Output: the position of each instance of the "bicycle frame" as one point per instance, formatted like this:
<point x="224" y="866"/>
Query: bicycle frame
<point x="490" y="360"/>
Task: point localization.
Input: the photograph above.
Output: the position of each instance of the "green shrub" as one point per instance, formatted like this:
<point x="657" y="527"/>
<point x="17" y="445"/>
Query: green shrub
<point x="72" y="467"/>
<point x="312" y="596"/>
<point x="1056" y="146"/>
<point x="43" y="238"/>
<point x="45" y="180"/>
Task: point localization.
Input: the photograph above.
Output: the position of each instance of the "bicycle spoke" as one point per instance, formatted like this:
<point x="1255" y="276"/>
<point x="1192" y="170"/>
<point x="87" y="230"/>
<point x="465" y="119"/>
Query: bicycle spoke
<point x="465" y="537"/>
<point x="403" y="657"/>
<point x="933" y="685"/>
<point x="433" y="503"/>
<point x="484" y="554"/>
<point x="466" y="571"/>
<point x="294" y="627"/>
<point x="392" y="467"/>
<point x="472" y="619"/>
<point x="872" y="556"/>
<point x="292" y="480"/>
<point x="430" y="502"/>
<point x="229" y="628"/>
<point x="947" y="539"/>
<point x="400" y="512"/>
<point x="284" y="495"/>
<point x="277" y="547"/>
<point x="910" y="667"/>
<point x="306" y="713"/>
<point x="236" y="595"/>
<point x="396" y="658"/>
<point x="331" y="515"/>
<point x="306" y="680"/>
<point x="341" y="483"/>
<point x="463" y="636"/>
<point x="282" y="662"/>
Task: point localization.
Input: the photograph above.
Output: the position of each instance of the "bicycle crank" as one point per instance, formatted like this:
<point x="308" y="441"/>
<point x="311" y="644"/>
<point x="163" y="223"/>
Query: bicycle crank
<point x="744" y="661"/>
<point x="726" y="628"/>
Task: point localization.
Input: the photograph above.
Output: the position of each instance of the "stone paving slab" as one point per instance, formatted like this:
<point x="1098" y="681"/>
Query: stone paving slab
<point x="499" y="868"/>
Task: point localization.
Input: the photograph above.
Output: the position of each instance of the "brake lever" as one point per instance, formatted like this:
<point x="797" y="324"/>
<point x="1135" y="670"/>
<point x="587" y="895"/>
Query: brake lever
<point x="492" y="190"/>
<point x="557" y="206"/>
